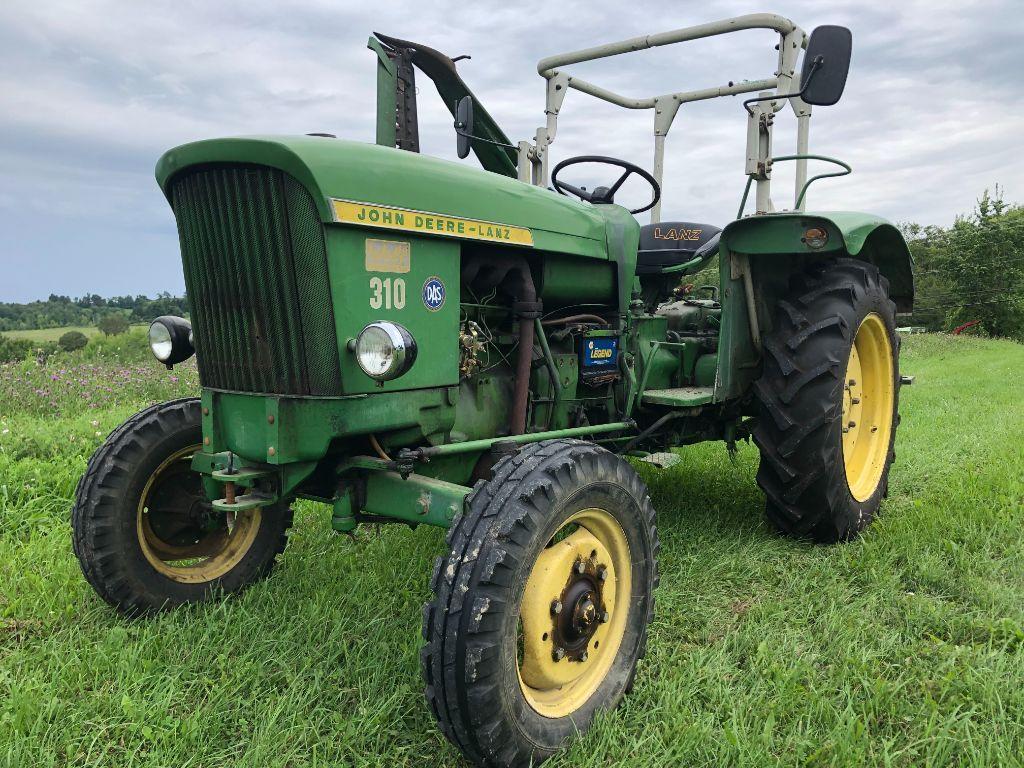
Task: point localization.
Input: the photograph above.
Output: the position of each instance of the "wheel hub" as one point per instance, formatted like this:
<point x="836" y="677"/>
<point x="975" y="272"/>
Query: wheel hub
<point x="575" y="626"/>
<point x="574" y="611"/>
<point x="180" y="534"/>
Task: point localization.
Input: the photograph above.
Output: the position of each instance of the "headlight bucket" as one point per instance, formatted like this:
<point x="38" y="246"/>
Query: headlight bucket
<point x="384" y="350"/>
<point x="170" y="340"/>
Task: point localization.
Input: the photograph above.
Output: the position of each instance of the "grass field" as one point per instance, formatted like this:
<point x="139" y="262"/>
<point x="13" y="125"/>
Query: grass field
<point x="903" y="648"/>
<point x="52" y="334"/>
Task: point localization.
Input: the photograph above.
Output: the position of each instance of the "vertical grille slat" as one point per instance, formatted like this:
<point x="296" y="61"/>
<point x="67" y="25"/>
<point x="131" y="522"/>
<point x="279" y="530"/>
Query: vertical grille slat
<point x="205" y="202"/>
<point x="307" y="237"/>
<point x="294" y="344"/>
<point x="251" y="319"/>
<point x="225" y="278"/>
<point x="255" y="263"/>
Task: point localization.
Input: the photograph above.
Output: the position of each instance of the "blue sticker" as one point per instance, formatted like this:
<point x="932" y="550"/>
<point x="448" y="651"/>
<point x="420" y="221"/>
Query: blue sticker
<point x="433" y="294"/>
<point x="601" y="353"/>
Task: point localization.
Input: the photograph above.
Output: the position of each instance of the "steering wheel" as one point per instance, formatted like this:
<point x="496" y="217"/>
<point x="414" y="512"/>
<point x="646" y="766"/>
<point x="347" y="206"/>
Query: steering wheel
<point x="604" y="194"/>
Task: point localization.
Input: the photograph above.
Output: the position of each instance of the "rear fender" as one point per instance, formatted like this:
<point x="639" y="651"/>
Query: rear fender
<point x="774" y="240"/>
<point x="774" y="248"/>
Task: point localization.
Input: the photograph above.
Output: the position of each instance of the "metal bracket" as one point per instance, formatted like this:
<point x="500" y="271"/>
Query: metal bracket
<point x="242" y="503"/>
<point x="739" y="269"/>
<point x="242" y="475"/>
<point x="407" y="131"/>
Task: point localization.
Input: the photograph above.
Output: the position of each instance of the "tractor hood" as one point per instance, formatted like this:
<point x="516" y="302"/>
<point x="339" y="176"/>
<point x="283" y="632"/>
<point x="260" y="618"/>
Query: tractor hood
<point x="332" y="169"/>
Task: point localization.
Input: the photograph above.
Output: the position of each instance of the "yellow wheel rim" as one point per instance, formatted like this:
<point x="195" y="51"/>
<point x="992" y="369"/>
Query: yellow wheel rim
<point x="574" y="613"/>
<point x="197" y="555"/>
<point x="868" y="397"/>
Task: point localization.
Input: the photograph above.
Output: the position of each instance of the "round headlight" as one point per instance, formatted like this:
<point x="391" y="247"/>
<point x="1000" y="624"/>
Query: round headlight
<point x="385" y="351"/>
<point x="170" y="338"/>
<point x="160" y="341"/>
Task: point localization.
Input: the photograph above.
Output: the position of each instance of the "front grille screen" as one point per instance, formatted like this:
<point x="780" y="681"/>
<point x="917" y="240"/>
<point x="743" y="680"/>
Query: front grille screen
<point x="255" y="264"/>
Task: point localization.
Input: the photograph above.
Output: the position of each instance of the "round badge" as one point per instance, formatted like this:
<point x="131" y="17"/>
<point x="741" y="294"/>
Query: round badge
<point x="433" y="294"/>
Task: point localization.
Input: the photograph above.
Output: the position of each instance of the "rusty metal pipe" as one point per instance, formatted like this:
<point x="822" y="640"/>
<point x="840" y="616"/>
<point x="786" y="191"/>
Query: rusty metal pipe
<point x="524" y="359"/>
<point x="512" y="274"/>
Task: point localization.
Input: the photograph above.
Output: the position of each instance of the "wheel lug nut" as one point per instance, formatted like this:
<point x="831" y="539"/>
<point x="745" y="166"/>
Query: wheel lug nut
<point x="603" y="618"/>
<point x="852" y="424"/>
<point x="602" y="573"/>
<point x="558" y="654"/>
<point x="855" y="401"/>
<point x="579" y="567"/>
<point x="583" y="656"/>
<point x="556" y="607"/>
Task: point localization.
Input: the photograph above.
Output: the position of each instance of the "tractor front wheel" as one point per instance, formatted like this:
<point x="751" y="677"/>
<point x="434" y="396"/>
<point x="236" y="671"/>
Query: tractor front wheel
<point x="828" y="396"/>
<point x="143" y="529"/>
<point x="541" y="607"/>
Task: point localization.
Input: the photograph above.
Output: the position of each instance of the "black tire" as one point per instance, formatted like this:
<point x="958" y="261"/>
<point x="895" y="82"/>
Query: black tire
<point x="470" y="662"/>
<point x="801" y="390"/>
<point x="104" y="518"/>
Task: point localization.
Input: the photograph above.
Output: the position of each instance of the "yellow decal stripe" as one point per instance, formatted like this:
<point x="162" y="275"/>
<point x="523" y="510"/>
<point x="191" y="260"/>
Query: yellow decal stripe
<point x="386" y="217"/>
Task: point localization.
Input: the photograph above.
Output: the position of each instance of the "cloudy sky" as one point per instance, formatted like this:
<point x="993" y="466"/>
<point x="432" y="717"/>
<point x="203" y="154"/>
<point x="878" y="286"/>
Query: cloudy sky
<point x="92" y="92"/>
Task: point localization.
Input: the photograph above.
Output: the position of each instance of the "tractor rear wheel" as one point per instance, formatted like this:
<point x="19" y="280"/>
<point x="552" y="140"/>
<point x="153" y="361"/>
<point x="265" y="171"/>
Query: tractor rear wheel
<point x="143" y="529"/>
<point x="829" y="394"/>
<point x="541" y="607"/>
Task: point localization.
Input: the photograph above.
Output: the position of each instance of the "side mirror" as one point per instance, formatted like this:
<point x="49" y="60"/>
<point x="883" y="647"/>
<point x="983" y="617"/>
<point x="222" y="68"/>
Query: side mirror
<point x="464" y="126"/>
<point x="826" y="64"/>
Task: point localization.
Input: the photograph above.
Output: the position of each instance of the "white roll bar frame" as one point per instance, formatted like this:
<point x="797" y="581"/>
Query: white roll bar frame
<point x="533" y="156"/>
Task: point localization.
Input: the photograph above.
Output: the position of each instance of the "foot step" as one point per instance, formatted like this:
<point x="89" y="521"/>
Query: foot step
<point x="662" y="460"/>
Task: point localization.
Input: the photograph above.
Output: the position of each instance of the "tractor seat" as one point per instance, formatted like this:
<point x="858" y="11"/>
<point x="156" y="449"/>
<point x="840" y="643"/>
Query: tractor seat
<point x="671" y="243"/>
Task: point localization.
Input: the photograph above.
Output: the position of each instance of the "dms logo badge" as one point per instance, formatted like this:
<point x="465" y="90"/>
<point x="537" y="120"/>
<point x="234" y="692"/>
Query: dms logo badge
<point x="433" y="294"/>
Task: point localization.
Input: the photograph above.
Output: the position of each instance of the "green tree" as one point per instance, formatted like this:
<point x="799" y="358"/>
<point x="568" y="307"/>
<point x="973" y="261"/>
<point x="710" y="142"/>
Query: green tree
<point x="113" y="324"/>
<point x="932" y="287"/>
<point x="984" y="264"/>
<point x="72" y="340"/>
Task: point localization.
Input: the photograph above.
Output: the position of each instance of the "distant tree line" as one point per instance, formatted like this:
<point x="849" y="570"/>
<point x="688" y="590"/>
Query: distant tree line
<point x="59" y="311"/>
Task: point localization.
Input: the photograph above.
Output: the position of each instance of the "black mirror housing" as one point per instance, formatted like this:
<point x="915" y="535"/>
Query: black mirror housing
<point x="464" y="126"/>
<point x="826" y="65"/>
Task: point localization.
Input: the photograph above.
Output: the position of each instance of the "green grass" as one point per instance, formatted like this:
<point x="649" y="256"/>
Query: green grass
<point x="905" y="647"/>
<point x="52" y="334"/>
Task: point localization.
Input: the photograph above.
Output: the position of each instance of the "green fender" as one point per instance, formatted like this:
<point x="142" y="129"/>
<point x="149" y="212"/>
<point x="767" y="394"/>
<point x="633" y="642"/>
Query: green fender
<point x="857" y="235"/>
<point x="774" y="247"/>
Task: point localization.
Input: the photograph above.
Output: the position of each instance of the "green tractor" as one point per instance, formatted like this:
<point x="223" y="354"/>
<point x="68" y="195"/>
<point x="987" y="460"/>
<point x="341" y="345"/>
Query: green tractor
<point x="410" y="340"/>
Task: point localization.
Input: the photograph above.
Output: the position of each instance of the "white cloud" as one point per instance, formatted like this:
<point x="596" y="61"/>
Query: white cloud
<point x="93" y="91"/>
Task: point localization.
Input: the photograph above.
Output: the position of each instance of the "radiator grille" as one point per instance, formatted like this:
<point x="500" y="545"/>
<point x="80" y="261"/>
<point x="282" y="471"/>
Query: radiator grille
<point x="255" y="264"/>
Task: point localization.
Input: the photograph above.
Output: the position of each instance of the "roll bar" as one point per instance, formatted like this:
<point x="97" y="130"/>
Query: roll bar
<point x="533" y="156"/>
